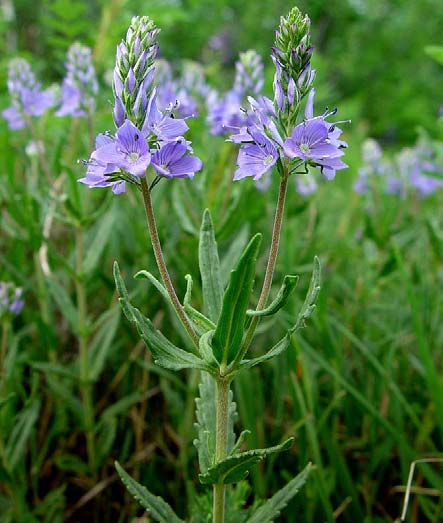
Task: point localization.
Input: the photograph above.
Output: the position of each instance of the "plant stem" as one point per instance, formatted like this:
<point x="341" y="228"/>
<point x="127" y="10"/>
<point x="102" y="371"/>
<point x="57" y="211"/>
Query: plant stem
<point x="161" y="264"/>
<point x="273" y="252"/>
<point x="85" y="385"/>
<point x="221" y="443"/>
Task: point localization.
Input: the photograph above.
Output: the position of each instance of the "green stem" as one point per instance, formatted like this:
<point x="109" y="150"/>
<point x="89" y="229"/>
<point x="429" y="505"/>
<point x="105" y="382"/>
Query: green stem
<point x="221" y="444"/>
<point x="272" y="259"/>
<point x="161" y="264"/>
<point x="85" y="384"/>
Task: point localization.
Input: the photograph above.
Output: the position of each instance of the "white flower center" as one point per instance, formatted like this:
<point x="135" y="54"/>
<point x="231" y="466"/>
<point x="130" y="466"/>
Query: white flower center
<point x="133" y="157"/>
<point x="304" y="148"/>
<point x="268" y="160"/>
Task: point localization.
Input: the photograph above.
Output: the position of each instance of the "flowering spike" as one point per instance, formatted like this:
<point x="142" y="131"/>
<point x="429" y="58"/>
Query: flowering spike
<point x="292" y="54"/>
<point x="146" y="134"/>
<point x="249" y="73"/>
<point x="26" y="94"/>
<point x="80" y="84"/>
<point x="134" y="68"/>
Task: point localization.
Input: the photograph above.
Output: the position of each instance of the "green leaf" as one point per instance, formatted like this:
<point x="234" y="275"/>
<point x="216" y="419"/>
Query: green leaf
<point x="289" y="284"/>
<point x="277" y="349"/>
<point x="435" y="52"/>
<point x="232" y="255"/>
<point x="201" y="323"/>
<point x="165" y="353"/>
<point x="100" y="239"/>
<point x="102" y="344"/>
<point x="267" y="512"/>
<point x="229" y="333"/>
<point x="64" y="302"/>
<point x="210" y="268"/>
<point x="311" y="297"/>
<point x="16" y="445"/>
<point x="179" y="205"/>
<point x="205" y="425"/>
<point x="155" y="505"/>
<point x="235" y="467"/>
<point x="157" y="284"/>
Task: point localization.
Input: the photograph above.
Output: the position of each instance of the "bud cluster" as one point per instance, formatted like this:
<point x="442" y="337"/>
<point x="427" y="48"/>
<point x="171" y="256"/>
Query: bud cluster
<point x="80" y="85"/>
<point x="292" y="56"/>
<point x="10" y="299"/>
<point x="249" y="73"/>
<point x="134" y="71"/>
<point x="20" y="78"/>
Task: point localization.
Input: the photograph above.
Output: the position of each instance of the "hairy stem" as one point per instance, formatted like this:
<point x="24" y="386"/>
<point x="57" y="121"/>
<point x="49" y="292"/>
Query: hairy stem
<point x="221" y="443"/>
<point x="85" y="384"/>
<point x="273" y="252"/>
<point x="161" y="264"/>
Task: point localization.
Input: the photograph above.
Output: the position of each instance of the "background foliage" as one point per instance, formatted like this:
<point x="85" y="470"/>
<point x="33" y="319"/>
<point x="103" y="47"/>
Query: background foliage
<point x="360" y="388"/>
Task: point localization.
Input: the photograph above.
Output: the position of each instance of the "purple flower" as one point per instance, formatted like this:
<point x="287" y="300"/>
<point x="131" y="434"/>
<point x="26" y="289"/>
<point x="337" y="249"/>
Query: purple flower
<point x="129" y="151"/>
<point x="172" y="160"/>
<point x="255" y="159"/>
<point x="80" y="86"/>
<point x="317" y="142"/>
<point x="162" y="125"/>
<point x="17" y="303"/>
<point x="11" y="300"/>
<point x="28" y="99"/>
<point x="141" y="125"/>
<point x="99" y="173"/>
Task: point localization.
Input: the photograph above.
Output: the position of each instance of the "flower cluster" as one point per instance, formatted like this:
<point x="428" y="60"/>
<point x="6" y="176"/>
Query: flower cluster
<point x="10" y="299"/>
<point x="27" y="97"/>
<point x="272" y="135"/>
<point x="80" y="85"/>
<point x="226" y="114"/>
<point x="413" y="168"/>
<point x="146" y="135"/>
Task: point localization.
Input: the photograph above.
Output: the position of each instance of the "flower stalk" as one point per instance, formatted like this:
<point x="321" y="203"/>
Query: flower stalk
<point x="272" y="259"/>
<point x="161" y="264"/>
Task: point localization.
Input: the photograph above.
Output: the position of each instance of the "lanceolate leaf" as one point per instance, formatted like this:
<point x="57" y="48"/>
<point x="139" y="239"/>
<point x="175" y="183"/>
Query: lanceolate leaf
<point x="210" y="268"/>
<point x="201" y="323"/>
<point x="205" y="414"/>
<point x="157" y="284"/>
<point x="272" y="507"/>
<point x="20" y="435"/>
<point x="305" y="312"/>
<point x="229" y="333"/>
<point x="289" y="284"/>
<point x="165" y="353"/>
<point x="234" y="468"/>
<point x="277" y="349"/>
<point x="155" y="505"/>
<point x="311" y="296"/>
